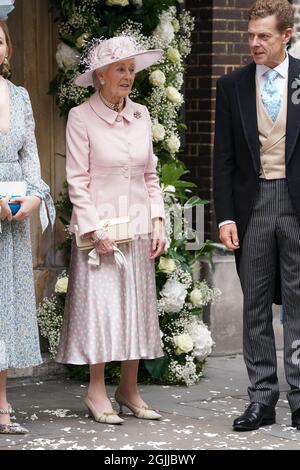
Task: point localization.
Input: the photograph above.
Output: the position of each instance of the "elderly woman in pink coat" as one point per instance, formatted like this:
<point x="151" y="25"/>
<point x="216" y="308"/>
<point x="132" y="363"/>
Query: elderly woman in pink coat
<point x="111" y="311"/>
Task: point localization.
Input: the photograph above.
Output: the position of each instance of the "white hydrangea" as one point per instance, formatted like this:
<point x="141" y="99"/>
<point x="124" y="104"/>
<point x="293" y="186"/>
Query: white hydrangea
<point x="174" y="294"/>
<point x="66" y="57"/>
<point x="157" y="78"/>
<point x="203" y="342"/>
<point x="158" y="132"/>
<point x="121" y="3"/>
<point x="164" y="32"/>
<point x="173" y="95"/>
<point x="138" y="3"/>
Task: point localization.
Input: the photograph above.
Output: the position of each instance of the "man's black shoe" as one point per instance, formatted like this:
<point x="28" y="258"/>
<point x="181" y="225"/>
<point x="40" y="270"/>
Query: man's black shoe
<point x="296" y="419"/>
<point x="255" y="416"/>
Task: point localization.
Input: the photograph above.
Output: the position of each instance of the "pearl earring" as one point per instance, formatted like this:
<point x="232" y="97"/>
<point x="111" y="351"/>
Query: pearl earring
<point x="102" y="82"/>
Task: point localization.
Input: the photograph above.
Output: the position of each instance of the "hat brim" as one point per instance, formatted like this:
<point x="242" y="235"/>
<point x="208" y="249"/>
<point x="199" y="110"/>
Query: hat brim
<point x="143" y="60"/>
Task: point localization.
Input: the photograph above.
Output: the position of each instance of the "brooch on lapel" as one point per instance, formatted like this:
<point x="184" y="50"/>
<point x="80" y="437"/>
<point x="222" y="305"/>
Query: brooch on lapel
<point x="137" y="114"/>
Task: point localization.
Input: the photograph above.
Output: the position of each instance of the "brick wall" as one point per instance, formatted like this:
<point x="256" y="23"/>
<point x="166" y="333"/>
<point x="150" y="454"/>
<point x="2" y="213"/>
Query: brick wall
<point x="296" y="3"/>
<point x="219" y="46"/>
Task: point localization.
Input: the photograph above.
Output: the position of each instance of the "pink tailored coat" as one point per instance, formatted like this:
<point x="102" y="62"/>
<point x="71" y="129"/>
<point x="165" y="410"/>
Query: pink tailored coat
<point x="110" y="166"/>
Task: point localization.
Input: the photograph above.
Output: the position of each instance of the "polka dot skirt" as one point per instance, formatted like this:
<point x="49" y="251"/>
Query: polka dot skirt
<point x="111" y="313"/>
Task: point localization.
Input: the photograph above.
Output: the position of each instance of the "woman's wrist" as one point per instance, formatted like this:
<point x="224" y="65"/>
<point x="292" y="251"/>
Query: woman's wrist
<point x="97" y="236"/>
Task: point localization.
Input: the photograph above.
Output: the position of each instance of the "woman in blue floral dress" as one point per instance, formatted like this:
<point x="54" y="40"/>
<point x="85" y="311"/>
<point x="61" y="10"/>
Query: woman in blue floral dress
<point x="19" y="339"/>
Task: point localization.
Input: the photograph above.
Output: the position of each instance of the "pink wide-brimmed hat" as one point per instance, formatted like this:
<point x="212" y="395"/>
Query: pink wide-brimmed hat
<point x="108" y="51"/>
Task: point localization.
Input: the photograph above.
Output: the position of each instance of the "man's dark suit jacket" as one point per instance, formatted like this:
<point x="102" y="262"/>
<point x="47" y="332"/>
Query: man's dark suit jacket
<point x="237" y="153"/>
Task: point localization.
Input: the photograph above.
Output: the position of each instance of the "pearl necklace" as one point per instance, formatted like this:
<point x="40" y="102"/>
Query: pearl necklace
<point x="114" y="106"/>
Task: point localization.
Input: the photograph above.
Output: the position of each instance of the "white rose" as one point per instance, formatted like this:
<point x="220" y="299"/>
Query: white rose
<point x="158" y="132"/>
<point x="180" y="1"/>
<point x="166" y="265"/>
<point x="164" y="32"/>
<point x="197" y="298"/>
<point x="174" y="294"/>
<point x="184" y="343"/>
<point x="61" y="285"/>
<point x="174" y="55"/>
<point x="138" y="3"/>
<point x="203" y="342"/>
<point x="155" y="158"/>
<point x="176" y="25"/>
<point x="157" y="78"/>
<point x="173" y="144"/>
<point x="121" y="3"/>
<point x="174" y="95"/>
<point x="66" y="57"/>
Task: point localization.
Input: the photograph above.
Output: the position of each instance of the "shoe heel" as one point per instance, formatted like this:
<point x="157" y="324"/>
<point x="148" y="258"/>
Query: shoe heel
<point x="268" y="421"/>
<point x="120" y="408"/>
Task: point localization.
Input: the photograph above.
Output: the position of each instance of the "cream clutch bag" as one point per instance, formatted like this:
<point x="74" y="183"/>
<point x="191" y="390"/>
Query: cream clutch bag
<point x="117" y="228"/>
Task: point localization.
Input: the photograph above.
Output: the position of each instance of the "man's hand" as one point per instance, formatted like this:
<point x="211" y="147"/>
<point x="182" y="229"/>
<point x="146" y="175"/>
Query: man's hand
<point x="229" y="236"/>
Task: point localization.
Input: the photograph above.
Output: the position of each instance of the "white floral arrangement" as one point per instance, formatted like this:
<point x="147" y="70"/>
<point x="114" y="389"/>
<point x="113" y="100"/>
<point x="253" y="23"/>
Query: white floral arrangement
<point x="187" y="341"/>
<point x="51" y="313"/>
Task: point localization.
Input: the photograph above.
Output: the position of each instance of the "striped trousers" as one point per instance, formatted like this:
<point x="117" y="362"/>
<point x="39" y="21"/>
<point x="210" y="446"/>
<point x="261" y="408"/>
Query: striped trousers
<point x="273" y="230"/>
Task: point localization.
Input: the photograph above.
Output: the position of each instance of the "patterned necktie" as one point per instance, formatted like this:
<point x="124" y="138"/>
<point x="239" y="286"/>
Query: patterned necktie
<point x="270" y="95"/>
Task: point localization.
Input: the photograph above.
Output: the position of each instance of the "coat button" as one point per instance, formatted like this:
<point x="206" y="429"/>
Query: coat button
<point x="119" y="118"/>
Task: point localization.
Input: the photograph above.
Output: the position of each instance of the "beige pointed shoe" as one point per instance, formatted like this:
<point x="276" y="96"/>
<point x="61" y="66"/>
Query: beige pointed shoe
<point x="143" y="412"/>
<point x="105" y="418"/>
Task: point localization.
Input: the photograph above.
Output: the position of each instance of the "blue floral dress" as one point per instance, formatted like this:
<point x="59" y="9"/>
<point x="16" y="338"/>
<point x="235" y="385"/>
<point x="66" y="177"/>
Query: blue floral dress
<point x="19" y="338"/>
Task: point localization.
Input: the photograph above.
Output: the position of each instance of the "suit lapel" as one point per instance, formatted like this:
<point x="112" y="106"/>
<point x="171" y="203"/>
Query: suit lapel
<point x="246" y="92"/>
<point x="293" y="109"/>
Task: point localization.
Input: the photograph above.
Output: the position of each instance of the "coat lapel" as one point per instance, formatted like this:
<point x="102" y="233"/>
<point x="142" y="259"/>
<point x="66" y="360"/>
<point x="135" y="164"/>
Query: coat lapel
<point x="246" y="92"/>
<point x="293" y="108"/>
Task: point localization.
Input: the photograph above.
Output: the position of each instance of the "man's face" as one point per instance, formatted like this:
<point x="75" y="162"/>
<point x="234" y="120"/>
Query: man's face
<point x="267" y="44"/>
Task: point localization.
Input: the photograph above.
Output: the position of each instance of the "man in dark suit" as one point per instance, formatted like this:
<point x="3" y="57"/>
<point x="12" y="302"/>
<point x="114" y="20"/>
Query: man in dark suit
<point x="257" y="202"/>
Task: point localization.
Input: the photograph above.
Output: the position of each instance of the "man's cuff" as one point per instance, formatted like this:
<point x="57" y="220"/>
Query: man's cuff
<point x="226" y="222"/>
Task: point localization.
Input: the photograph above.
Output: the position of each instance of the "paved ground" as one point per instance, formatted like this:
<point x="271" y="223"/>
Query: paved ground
<point x="198" y="417"/>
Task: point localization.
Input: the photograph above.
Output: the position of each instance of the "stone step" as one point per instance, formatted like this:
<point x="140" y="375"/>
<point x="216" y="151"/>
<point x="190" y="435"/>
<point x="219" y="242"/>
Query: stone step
<point x="46" y="371"/>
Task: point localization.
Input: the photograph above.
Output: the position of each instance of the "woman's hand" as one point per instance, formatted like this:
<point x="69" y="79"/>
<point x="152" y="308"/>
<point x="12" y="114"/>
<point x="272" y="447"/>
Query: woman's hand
<point x="5" y="209"/>
<point x="158" y="239"/>
<point x="103" y="244"/>
<point x="28" y="205"/>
